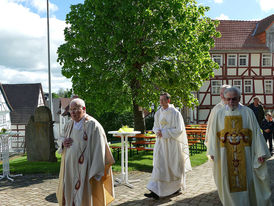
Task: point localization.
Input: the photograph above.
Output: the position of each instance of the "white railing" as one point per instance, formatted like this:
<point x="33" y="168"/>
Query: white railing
<point x="4" y="149"/>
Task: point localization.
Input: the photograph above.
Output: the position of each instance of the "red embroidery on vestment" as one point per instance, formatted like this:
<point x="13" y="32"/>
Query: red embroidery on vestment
<point x="77" y="186"/>
<point x="81" y="159"/>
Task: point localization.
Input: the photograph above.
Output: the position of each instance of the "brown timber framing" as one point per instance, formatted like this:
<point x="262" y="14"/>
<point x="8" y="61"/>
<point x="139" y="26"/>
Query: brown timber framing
<point x="249" y="73"/>
<point x="19" y="144"/>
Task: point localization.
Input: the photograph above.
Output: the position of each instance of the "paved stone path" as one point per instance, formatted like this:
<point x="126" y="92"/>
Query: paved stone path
<point x="39" y="190"/>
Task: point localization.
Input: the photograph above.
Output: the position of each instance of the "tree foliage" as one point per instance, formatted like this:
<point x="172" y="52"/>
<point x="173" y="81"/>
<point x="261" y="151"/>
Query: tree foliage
<point x="123" y="53"/>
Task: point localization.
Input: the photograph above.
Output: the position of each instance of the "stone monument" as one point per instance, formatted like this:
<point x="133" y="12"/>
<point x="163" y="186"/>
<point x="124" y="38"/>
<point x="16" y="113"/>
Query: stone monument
<point x="39" y="136"/>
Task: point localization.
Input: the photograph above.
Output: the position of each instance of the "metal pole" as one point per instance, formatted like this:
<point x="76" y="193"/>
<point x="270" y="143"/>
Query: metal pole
<point x="49" y="73"/>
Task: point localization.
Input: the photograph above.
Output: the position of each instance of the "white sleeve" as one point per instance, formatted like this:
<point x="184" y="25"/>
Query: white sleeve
<point x="177" y="129"/>
<point x="156" y="126"/>
<point x="60" y="144"/>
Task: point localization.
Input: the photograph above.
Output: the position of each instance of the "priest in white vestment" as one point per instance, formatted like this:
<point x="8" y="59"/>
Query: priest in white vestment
<point x="216" y="108"/>
<point x="238" y="150"/>
<point x="85" y="177"/>
<point x="171" y="153"/>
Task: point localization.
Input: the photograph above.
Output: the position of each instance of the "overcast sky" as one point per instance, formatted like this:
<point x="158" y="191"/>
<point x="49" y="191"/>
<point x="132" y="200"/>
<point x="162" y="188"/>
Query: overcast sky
<point x="23" y="35"/>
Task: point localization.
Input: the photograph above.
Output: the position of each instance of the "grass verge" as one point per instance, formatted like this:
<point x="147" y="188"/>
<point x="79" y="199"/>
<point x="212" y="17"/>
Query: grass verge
<point x="140" y="162"/>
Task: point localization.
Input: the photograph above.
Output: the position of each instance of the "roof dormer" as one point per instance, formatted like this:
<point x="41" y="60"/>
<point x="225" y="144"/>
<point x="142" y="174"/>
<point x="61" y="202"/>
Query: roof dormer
<point x="264" y="31"/>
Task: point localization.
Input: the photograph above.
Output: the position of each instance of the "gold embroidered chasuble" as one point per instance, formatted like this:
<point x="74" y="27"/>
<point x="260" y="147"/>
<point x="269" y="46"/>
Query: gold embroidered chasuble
<point x="236" y="142"/>
<point x="234" y="138"/>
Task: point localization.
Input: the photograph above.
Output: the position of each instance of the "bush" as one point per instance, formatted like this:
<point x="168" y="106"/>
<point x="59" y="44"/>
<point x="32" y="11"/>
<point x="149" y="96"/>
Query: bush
<point x="112" y="121"/>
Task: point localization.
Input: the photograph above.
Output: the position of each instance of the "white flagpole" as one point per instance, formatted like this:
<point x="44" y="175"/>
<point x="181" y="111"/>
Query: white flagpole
<point x="49" y="73"/>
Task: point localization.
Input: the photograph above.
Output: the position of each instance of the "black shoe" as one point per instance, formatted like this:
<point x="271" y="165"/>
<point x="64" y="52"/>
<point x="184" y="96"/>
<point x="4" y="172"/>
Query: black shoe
<point x="177" y="192"/>
<point x="153" y="195"/>
<point x="148" y="195"/>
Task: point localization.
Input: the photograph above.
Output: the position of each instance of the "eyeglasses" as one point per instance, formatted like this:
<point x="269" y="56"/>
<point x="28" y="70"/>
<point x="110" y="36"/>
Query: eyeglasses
<point x="233" y="99"/>
<point x="75" y="109"/>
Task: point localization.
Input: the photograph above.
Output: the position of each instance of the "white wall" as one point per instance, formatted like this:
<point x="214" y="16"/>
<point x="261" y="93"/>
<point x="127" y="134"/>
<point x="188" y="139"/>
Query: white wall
<point x="255" y="60"/>
<point x="4" y="113"/>
<point x="203" y="113"/>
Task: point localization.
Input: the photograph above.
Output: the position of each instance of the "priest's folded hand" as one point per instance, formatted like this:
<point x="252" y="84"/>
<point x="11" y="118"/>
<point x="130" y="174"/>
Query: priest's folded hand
<point x="159" y="133"/>
<point x="67" y="142"/>
<point x="261" y="159"/>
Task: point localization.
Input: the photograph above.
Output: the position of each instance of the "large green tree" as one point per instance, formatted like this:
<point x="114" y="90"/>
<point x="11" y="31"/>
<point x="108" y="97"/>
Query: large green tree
<point x="122" y="53"/>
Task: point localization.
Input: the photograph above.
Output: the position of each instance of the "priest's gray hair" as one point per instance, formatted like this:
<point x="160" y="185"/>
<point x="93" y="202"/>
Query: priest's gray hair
<point x="78" y="101"/>
<point x="234" y="90"/>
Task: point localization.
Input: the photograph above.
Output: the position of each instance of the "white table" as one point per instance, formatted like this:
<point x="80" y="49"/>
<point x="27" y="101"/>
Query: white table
<point x="124" y="153"/>
<point x="4" y="141"/>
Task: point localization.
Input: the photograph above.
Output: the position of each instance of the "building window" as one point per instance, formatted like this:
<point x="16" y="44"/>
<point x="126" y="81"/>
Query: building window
<point x="238" y="84"/>
<point x="218" y="59"/>
<point x="268" y="86"/>
<point x="266" y="60"/>
<point x="231" y="60"/>
<point x="215" y="86"/>
<point x="248" y="86"/>
<point x="243" y="60"/>
<point x="1" y="119"/>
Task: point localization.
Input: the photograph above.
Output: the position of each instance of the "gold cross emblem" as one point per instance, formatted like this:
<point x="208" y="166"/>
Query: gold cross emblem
<point x="163" y="122"/>
<point x="235" y="138"/>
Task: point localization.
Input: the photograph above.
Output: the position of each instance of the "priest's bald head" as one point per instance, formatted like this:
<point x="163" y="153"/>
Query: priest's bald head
<point x="77" y="109"/>
<point x="232" y="96"/>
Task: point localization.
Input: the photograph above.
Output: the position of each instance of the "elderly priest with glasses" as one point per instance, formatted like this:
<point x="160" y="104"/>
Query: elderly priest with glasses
<point x="239" y="153"/>
<point x="85" y="173"/>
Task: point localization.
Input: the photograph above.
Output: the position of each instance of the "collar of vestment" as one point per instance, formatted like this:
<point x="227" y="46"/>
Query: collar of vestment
<point x="238" y="108"/>
<point x="168" y="108"/>
<point x="78" y="125"/>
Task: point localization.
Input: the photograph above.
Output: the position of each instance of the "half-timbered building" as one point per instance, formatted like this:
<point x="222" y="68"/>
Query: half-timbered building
<point x="24" y="99"/>
<point x="5" y="109"/>
<point x="245" y="54"/>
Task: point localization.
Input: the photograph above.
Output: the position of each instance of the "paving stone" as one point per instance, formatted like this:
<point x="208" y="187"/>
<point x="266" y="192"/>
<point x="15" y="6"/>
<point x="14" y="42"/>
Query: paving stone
<point x="40" y="190"/>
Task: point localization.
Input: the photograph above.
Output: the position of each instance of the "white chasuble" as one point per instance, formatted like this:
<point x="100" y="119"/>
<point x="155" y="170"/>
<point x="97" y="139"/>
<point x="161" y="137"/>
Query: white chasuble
<point x="236" y="143"/>
<point x="85" y="173"/>
<point x="215" y="109"/>
<point x="171" y="153"/>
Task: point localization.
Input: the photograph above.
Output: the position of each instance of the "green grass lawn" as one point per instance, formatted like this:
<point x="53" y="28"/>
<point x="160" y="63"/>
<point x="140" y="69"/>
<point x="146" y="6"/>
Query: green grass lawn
<point x="20" y="165"/>
<point x="141" y="162"/>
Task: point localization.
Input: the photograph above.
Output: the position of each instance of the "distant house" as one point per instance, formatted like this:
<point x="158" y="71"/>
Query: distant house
<point x="24" y="99"/>
<point x="5" y="109"/>
<point x="245" y="54"/>
<point x="61" y="114"/>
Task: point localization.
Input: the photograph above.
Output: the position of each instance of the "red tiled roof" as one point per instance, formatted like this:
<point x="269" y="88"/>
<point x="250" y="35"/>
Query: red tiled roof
<point x="264" y="24"/>
<point x="65" y="102"/>
<point x="239" y="35"/>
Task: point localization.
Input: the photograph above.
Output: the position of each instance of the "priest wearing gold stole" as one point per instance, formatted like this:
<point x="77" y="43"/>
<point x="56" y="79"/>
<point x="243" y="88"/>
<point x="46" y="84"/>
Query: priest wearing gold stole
<point x="85" y="177"/>
<point x="171" y="153"/>
<point x="238" y="150"/>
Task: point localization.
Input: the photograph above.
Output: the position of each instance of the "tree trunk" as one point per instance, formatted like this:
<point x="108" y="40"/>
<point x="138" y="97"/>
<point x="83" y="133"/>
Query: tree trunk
<point x="139" y="120"/>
